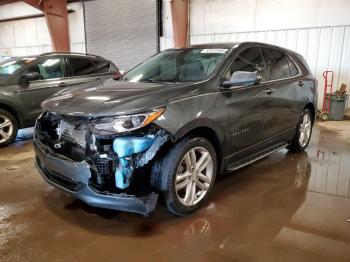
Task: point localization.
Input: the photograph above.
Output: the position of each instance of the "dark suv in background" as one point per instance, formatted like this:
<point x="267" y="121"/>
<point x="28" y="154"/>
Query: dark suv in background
<point x="173" y="123"/>
<point x="27" y="81"/>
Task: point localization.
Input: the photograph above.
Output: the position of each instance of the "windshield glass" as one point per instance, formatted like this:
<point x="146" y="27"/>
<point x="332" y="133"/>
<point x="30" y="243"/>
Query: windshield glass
<point x="10" y="67"/>
<point x="178" y="65"/>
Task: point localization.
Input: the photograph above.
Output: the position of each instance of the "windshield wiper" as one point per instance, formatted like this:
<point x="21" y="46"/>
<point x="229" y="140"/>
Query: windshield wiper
<point x="157" y="81"/>
<point x="151" y="81"/>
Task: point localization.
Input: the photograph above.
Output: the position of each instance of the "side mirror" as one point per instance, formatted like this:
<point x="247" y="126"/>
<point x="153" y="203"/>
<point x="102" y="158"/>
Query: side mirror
<point x="118" y="74"/>
<point x="30" y="76"/>
<point x="242" y="78"/>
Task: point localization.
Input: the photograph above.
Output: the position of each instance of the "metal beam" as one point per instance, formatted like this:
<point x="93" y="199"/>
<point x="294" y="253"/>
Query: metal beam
<point x="179" y="12"/>
<point x="24" y="17"/>
<point x="56" y="15"/>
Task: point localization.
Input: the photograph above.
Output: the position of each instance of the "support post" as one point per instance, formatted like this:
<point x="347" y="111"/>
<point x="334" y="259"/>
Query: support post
<point x="57" y="21"/>
<point x="179" y="12"/>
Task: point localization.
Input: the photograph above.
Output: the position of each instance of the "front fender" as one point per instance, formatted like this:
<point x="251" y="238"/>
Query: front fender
<point x="7" y="103"/>
<point x="206" y="110"/>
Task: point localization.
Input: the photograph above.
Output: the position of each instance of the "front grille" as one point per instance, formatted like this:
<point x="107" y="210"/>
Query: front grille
<point x="57" y="178"/>
<point x="72" y="133"/>
<point x="103" y="166"/>
<point x="64" y="135"/>
<point x="61" y="181"/>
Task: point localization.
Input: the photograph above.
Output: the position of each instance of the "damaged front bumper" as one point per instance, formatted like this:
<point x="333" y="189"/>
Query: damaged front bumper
<point x="73" y="178"/>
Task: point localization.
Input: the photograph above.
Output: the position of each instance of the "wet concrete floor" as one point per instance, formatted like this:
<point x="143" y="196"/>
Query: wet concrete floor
<point x="287" y="207"/>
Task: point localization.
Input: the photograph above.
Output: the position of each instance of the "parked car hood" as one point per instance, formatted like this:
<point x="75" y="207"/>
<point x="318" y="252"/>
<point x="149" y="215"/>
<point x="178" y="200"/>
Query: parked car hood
<point x="115" y="98"/>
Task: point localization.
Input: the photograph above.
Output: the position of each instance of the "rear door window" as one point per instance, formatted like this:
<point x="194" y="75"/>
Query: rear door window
<point x="249" y="60"/>
<point x="277" y="64"/>
<point x="81" y="66"/>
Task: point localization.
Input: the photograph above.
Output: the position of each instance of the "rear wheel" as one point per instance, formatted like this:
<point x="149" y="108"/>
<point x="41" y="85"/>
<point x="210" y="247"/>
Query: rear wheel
<point x="8" y="128"/>
<point x="186" y="174"/>
<point x="303" y="132"/>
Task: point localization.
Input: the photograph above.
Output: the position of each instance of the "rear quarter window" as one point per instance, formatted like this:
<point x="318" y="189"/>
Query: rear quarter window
<point x="292" y="67"/>
<point x="113" y="68"/>
<point x="102" y="66"/>
<point x="81" y="66"/>
<point x="277" y="64"/>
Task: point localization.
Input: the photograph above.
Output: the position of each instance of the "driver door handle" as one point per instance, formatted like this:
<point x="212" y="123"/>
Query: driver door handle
<point x="269" y="91"/>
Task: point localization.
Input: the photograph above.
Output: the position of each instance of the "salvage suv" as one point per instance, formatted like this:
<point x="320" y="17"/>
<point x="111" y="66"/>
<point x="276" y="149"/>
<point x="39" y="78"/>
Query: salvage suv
<point x="173" y="122"/>
<point x="25" y="82"/>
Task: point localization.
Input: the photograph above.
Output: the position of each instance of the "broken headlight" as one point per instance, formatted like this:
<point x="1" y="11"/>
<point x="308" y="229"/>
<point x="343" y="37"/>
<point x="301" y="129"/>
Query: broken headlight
<point x="120" y="124"/>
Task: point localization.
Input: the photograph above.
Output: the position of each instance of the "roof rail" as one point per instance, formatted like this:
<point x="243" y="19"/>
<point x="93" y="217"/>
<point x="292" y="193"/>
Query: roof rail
<point x="68" y="53"/>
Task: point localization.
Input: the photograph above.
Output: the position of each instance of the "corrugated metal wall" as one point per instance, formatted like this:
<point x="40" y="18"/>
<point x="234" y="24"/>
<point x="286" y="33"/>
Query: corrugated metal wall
<point x="125" y="32"/>
<point x="324" y="48"/>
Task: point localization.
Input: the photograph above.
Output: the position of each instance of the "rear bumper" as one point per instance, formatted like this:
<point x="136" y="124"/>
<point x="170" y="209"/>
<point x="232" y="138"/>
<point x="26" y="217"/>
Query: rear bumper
<point x="73" y="178"/>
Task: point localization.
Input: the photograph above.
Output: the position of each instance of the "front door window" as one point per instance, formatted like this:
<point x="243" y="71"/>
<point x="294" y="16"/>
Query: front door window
<point x="48" y="68"/>
<point x="249" y="60"/>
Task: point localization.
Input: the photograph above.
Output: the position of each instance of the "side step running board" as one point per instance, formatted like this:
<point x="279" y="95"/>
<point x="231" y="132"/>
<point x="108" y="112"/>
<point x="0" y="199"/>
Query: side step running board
<point x="255" y="158"/>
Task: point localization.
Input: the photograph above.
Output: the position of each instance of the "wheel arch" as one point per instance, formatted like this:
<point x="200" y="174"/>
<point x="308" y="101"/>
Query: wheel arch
<point x="209" y="132"/>
<point x="312" y="108"/>
<point x="11" y="110"/>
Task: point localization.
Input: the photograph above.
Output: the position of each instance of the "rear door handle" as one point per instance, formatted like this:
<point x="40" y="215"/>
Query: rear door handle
<point x="62" y="84"/>
<point x="269" y="91"/>
<point x="300" y="83"/>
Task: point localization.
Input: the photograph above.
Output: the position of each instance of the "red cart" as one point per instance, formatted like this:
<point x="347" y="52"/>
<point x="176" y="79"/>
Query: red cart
<point x="328" y="88"/>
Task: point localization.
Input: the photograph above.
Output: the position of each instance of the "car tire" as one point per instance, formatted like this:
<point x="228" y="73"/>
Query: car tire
<point x="184" y="185"/>
<point x="324" y="116"/>
<point x="302" y="133"/>
<point x="8" y="128"/>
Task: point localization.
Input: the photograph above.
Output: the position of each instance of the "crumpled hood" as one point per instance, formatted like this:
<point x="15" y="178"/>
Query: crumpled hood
<point x="115" y="98"/>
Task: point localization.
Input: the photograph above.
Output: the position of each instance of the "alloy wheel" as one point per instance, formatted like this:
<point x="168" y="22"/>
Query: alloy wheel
<point x="6" y="128"/>
<point x="305" y="130"/>
<point x="194" y="176"/>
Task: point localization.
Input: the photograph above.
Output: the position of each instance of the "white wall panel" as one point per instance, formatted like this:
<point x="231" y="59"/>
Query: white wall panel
<point x="313" y="43"/>
<point x="324" y="48"/>
<point x="167" y="19"/>
<point x="292" y="39"/>
<point x="221" y="16"/>
<point x="31" y="36"/>
<point x="16" y="10"/>
<point x="344" y="75"/>
<point x="301" y="41"/>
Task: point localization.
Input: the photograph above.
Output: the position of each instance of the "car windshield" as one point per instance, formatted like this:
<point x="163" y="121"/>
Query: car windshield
<point x="178" y="65"/>
<point x="9" y="67"/>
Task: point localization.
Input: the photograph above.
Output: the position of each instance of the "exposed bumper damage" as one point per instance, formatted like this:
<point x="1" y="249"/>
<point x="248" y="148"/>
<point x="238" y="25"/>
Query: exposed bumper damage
<point x="109" y="171"/>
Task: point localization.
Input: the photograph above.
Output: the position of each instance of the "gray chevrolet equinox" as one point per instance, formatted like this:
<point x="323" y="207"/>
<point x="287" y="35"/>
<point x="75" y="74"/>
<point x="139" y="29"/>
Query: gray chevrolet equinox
<point x="174" y="122"/>
<point x="27" y="81"/>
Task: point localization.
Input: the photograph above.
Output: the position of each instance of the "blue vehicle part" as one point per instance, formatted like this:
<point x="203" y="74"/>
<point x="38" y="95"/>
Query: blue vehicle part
<point x="125" y="147"/>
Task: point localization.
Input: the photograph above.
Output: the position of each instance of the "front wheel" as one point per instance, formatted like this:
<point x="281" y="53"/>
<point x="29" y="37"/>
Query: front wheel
<point x="8" y="128"/>
<point x="186" y="174"/>
<point x="303" y="132"/>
